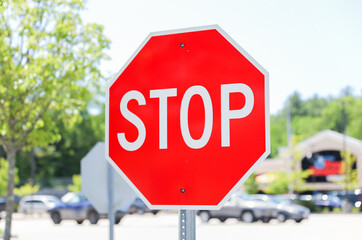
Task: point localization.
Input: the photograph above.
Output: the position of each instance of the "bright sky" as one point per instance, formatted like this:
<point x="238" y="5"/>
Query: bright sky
<point x="312" y="46"/>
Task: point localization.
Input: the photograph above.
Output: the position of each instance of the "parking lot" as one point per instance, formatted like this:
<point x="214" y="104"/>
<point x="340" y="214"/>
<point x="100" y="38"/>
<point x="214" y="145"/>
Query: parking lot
<point x="164" y="226"/>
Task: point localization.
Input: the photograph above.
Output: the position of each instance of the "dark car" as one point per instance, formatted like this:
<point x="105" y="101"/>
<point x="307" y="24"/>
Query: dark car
<point x="3" y="203"/>
<point x="327" y="201"/>
<point x="79" y="208"/>
<point x="139" y="207"/>
<point x="288" y="209"/>
<point x="2" y="206"/>
<point x="242" y="207"/>
<point x="320" y="201"/>
<point x="351" y="198"/>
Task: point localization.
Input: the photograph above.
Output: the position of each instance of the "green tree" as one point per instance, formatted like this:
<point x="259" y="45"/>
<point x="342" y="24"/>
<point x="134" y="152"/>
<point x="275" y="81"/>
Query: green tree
<point x="305" y="116"/>
<point x="77" y="183"/>
<point x="298" y="176"/>
<point x="65" y="155"/>
<point x="251" y="185"/>
<point x="296" y="104"/>
<point x="280" y="185"/>
<point x="26" y="189"/>
<point x="350" y="181"/>
<point x="316" y="114"/>
<point x="76" y="142"/>
<point x="332" y="116"/>
<point x="278" y="133"/>
<point x="284" y="182"/>
<point x="314" y="106"/>
<point x="49" y="64"/>
<point x="354" y="121"/>
<point x="292" y="181"/>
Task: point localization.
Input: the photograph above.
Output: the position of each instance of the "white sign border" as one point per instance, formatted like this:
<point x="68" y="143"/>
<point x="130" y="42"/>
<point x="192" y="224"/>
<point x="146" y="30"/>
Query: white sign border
<point x="267" y="120"/>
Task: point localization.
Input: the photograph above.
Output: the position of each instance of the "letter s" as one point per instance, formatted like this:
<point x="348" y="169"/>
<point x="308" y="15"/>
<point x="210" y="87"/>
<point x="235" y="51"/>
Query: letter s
<point x="135" y="120"/>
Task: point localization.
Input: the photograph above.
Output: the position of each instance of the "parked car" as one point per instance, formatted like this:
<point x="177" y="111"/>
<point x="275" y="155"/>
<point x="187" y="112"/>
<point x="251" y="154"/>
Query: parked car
<point x="2" y="206"/>
<point x="266" y="199"/>
<point x="242" y="207"/>
<point x="327" y="201"/>
<point x="288" y="209"/>
<point x="79" y="208"/>
<point x="319" y="201"/>
<point x="37" y="204"/>
<point x="3" y="203"/>
<point x="351" y="198"/>
<point x="139" y="207"/>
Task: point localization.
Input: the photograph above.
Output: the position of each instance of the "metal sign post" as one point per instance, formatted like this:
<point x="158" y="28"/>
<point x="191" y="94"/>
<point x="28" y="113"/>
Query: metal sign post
<point x="110" y="201"/>
<point x="187" y="225"/>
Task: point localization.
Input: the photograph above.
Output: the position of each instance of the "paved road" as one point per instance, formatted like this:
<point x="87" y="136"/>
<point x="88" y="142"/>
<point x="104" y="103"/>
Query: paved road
<point x="164" y="227"/>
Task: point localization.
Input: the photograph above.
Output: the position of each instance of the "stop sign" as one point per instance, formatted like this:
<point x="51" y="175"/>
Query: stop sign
<point x="187" y="118"/>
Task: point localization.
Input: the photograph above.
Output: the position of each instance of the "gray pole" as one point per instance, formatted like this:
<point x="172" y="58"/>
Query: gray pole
<point x="289" y="142"/>
<point x="344" y="126"/>
<point x="344" y="142"/>
<point x="187" y="225"/>
<point x="289" y="128"/>
<point x="110" y="201"/>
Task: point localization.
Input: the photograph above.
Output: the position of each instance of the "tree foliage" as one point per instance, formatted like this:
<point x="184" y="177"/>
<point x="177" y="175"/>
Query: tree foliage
<point x="64" y="155"/>
<point x="77" y="183"/>
<point x="251" y="185"/>
<point x="26" y="189"/>
<point x="48" y="59"/>
<point x="350" y="181"/>
<point x="316" y="114"/>
<point x="286" y="182"/>
<point x="280" y="185"/>
<point x="49" y="65"/>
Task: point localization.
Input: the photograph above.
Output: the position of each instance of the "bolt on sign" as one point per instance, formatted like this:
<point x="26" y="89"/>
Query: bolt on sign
<point x="187" y="118"/>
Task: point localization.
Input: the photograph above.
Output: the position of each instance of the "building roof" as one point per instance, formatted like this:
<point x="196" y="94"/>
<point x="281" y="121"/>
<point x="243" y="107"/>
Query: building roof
<point x="272" y="165"/>
<point x="327" y="140"/>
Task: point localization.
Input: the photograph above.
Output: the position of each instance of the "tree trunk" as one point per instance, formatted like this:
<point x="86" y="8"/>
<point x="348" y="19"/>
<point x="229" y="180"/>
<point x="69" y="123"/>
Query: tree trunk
<point x="11" y="157"/>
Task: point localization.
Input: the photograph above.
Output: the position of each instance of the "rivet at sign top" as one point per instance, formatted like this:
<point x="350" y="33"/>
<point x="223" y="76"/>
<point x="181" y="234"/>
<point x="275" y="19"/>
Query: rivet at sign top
<point x="182" y="45"/>
<point x="182" y="190"/>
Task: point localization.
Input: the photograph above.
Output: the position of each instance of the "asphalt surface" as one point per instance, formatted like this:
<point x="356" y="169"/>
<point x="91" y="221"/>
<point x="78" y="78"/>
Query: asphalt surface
<point x="164" y="226"/>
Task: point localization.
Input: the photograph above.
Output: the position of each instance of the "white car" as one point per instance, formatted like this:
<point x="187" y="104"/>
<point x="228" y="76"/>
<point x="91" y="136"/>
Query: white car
<point x="242" y="207"/>
<point x="286" y="208"/>
<point x="39" y="204"/>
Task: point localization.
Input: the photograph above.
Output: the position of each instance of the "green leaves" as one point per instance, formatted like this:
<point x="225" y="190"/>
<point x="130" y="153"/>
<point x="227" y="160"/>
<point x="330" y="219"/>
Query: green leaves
<point x="77" y="182"/>
<point x="49" y="64"/>
<point x="26" y="189"/>
<point x="280" y="185"/>
<point x="251" y="185"/>
<point x="316" y="114"/>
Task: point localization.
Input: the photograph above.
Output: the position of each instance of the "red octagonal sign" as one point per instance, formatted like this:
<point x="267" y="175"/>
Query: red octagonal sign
<point x="187" y="118"/>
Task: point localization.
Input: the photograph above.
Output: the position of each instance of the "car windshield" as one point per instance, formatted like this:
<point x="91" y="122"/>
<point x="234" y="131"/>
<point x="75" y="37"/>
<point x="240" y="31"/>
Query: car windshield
<point x="244" y="197"/>
<point x="260" y="198"/>
<point x="334" y="198"/>
<point x="54" y="200"/>
<point x="77" y="199"/>
<point x="281" y="201"/>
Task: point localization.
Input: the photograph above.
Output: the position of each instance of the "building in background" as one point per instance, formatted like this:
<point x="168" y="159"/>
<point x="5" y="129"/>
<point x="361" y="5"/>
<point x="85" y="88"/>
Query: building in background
<point x="322" y="154"/>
